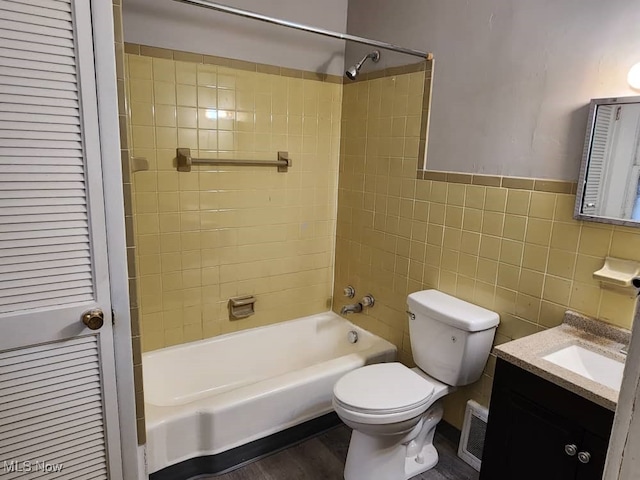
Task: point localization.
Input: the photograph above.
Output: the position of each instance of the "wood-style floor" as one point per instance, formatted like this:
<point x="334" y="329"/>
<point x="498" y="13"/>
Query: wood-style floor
<point x="323" y="457"/>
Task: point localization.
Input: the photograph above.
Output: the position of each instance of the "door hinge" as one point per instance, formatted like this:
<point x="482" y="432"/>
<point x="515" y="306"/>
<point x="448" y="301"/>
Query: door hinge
<point x="113" y="317"/>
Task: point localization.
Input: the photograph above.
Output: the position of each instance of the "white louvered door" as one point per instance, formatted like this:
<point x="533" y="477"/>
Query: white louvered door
<point x="58" y="405"/>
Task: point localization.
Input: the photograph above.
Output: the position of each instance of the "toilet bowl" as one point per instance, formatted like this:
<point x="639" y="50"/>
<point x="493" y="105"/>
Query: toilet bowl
<point x="392" y="409"/>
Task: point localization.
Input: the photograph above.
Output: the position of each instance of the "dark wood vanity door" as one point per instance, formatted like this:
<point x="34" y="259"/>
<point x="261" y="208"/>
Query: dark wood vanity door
<point x="527" y="442"/>
<point x="597" y="448"/>
<point x="538" y="431"/>
<point x="535" y="447"/>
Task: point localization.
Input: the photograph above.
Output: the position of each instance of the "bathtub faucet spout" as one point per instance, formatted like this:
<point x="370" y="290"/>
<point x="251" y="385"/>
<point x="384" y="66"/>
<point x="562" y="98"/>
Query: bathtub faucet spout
<point x="352" y="308"/>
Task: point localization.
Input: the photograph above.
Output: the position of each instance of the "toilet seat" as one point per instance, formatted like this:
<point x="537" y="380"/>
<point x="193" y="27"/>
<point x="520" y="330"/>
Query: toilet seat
<point x="382" y="393"/>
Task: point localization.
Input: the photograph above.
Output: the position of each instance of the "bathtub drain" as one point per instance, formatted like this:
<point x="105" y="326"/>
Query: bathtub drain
<point x="352" y="336"/>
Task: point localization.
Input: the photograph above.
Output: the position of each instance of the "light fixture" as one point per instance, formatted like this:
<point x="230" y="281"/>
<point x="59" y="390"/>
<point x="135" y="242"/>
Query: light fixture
<point x="634" y="77"/>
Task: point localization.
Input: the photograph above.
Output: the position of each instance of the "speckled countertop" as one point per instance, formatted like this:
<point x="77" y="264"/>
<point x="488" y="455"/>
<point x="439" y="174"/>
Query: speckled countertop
<point x="527" y="353"/>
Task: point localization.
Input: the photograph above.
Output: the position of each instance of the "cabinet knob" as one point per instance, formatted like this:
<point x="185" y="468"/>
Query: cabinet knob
<point x="570" y="450"/>
<point x="584" y="457"/>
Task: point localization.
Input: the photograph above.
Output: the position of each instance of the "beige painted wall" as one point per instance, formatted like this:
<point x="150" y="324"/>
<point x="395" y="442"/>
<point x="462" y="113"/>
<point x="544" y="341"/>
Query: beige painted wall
<point x="513" y="78"/>
<point x="514" y="250"/>
<point x="168" y="24"/>
<point x="219" y="232"/>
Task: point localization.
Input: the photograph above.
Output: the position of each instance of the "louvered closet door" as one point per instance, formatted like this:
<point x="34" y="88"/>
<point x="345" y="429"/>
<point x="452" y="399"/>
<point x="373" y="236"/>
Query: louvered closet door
<point x="58" y="411"/>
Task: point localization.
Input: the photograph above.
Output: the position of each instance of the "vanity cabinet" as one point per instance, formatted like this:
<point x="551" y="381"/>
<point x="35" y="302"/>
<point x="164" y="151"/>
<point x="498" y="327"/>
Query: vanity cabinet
<point x="538" y="430"/>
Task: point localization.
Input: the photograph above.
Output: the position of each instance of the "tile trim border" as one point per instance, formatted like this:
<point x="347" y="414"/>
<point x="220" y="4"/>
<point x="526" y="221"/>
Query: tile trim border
<point x="177" y="55"/>
<point x="426" y="108"/>
<point x="423" y="66"/>
<point x="125" y="154"/>
<point x="532" y="184"/>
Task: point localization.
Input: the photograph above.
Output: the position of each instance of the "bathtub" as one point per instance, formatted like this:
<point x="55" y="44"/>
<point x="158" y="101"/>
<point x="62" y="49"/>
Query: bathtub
<point x="211" y="396"/>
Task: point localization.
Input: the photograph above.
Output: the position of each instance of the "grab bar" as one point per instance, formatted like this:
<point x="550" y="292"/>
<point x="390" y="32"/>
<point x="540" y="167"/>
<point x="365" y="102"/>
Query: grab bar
<point x="185" y="161"/>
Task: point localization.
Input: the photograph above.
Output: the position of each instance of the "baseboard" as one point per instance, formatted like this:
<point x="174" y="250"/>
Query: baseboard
<point x="244" y="454"/>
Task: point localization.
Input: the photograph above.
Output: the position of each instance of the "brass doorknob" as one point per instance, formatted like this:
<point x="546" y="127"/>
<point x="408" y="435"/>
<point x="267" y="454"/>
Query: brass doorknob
<point x="93" y="319"/>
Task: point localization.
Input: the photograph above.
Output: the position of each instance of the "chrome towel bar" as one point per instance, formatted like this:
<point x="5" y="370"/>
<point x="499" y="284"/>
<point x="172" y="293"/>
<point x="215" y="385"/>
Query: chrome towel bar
<point x="185" y="161"/>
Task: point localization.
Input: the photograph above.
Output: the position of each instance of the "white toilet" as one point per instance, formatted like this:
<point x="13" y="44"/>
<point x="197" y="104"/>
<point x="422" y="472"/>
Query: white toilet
<point x="394" y="410"/>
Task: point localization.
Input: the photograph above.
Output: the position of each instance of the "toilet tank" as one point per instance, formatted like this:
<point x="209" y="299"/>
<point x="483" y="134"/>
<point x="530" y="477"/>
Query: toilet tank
<point x="450" y="338"/>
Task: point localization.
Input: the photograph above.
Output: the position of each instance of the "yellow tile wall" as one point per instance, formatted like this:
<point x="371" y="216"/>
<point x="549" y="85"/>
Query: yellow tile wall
<point x="518" y="252"/>
<point x="218" y="232"/>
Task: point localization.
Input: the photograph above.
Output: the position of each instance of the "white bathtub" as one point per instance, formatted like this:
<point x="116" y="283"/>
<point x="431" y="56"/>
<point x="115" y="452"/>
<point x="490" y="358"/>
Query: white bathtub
<point x="206" y="397"/>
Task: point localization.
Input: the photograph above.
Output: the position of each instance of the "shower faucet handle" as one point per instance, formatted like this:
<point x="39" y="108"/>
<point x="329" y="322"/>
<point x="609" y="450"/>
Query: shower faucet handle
<point x="349" y="291"/>
<point x="368" y="300"/>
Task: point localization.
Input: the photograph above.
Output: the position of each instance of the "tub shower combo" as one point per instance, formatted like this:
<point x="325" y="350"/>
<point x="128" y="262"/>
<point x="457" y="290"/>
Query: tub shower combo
<point x="214" y="404"/>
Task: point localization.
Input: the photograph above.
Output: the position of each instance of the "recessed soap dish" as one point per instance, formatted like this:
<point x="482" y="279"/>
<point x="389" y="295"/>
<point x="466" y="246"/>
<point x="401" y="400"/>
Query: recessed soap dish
<point x="618" y="271"/>
<point x="241" y="307"/>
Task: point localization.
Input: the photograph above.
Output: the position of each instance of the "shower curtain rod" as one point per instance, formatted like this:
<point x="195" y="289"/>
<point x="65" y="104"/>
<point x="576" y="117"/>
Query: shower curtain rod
<point x="298" y="26"/>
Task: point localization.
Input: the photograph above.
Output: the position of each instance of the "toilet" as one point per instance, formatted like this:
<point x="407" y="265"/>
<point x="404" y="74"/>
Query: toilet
<point x="392" y="409"/>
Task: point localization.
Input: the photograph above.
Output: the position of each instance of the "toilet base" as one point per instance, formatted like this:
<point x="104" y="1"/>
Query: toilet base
<point x="429" y="459"/>
<point x="394" y="457"/>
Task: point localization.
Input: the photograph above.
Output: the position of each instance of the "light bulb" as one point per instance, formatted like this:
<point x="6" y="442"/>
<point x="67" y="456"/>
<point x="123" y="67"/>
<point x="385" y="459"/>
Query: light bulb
<point x="634" y="77"/>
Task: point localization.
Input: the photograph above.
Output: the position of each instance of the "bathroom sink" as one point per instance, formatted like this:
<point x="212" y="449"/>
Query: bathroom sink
<point x="589" y="364"/>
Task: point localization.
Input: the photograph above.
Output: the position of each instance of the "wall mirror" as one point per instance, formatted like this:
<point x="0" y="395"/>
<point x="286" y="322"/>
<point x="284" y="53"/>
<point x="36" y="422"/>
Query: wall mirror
<point x="609" y="187"/>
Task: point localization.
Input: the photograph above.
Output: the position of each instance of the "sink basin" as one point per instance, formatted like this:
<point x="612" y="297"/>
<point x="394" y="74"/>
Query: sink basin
<point x="589" y="364"/>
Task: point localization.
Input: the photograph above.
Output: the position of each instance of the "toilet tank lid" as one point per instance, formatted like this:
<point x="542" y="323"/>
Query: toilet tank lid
<point x="452" y="311"/>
